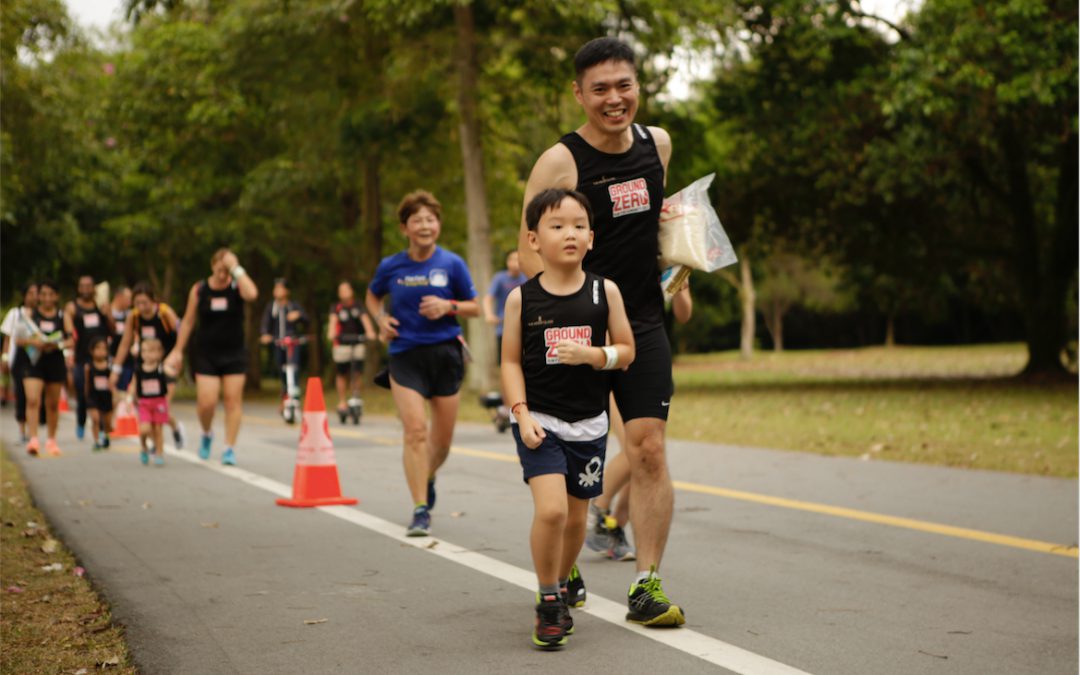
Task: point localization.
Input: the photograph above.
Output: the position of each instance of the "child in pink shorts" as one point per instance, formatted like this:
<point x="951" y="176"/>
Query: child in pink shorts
<point x="151" y="392"/>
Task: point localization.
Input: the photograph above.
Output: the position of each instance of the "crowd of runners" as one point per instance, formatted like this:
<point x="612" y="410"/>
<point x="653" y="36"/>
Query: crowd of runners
<point x="580" y="322"/>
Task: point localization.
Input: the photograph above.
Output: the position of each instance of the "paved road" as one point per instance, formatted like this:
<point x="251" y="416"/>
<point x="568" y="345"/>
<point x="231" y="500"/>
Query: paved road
<point x="785" y="562"/>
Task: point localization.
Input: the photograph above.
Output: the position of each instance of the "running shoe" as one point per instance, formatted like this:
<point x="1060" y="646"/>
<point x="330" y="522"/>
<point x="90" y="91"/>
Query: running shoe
<point x="431" y="493"/>
<point x="343" y="414"/>
<point x="597" y="537"/>
<point x="620" y="547"/>
<point x="179" y="435"/>
<point x="575" y="588"/>
<point x="549" y="632"/>
<point x="52" y="448"/>
<point x="97" y="447"/>
<point x="144" y="457"/>
<point x="32" y="446"/>
<point x="80" y="431"/>
<point x="228" y="458"/>
<point x="105" y="442"/>
<point x="567" y="620"/>
<point x="204" y="446"/>
<point x="159" y="460"/>
<point x="421" y="523"/>
<point x="649" y="606"/>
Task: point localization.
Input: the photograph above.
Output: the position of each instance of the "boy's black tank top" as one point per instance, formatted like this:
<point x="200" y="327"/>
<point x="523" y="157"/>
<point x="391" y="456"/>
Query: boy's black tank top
<point x="152" y="384"/>
<point x="98" y="376"/>
<point x="83" y="332"/>
<point x="221" y="319"/>
<point x="570" y="393"/>
<point x="626" y="192"/>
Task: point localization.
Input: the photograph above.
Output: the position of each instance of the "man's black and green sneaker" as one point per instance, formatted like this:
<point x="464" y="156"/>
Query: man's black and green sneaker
<point x="650" y="607"/>
<point x="549" y="632"/>
<point x="575" y="588"/>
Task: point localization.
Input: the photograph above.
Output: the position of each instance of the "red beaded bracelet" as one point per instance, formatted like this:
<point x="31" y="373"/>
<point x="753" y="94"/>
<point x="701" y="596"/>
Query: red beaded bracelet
<point x="513" y="408"/>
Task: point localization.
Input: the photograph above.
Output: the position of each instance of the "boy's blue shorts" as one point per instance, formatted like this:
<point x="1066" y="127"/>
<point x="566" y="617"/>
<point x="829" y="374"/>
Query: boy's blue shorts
<point x="582" y="462"/>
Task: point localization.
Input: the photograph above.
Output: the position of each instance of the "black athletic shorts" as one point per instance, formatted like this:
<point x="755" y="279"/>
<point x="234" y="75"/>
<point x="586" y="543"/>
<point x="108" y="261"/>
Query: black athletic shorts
<point x="645" y="388"/>
<point x="217" y="364"/>
<point x="430" y="370"/>
<point x="343" y="368"/>
<point x="99" y="400"/>
<point x="581" y="462"/>
<point x="50" y="367"/>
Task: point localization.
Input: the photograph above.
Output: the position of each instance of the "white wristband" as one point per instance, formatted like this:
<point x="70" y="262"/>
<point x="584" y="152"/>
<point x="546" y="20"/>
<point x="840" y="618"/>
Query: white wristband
<point x="238" y="272"/>
<point x="612" y="356"/>
<point x="117" y="368"/>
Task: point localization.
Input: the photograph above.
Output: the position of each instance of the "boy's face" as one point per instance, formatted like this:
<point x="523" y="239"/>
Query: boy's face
<point x="151" y="351"/>
<point x="609" y="94"/>
<point x="345" y="292"/>
<point x="563" y="235"/>
<point x="101" y="351"/>
<point x="422" y="228"/>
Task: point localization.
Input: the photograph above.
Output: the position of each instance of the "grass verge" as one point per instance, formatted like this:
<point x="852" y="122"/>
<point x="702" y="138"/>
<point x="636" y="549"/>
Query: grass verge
<point x="51" y="619"/>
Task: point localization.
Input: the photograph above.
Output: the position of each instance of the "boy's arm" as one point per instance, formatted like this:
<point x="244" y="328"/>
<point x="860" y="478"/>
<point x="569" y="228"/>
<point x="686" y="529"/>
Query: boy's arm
<point x="513" y="378"/>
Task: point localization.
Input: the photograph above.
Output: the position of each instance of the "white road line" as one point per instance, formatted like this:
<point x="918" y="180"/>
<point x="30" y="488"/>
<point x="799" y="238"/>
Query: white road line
<point x="683" y="639"/>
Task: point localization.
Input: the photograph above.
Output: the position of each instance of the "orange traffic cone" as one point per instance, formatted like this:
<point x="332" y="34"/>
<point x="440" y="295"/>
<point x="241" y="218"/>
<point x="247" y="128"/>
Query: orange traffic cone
<point x="125" y="425"/>
<point x="64" y="407"/>
<point x="315" y="481"/>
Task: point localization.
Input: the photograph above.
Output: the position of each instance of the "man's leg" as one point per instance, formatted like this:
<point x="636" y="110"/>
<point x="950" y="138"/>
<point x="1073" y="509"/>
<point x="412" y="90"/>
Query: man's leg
<point x="654" y="496"/>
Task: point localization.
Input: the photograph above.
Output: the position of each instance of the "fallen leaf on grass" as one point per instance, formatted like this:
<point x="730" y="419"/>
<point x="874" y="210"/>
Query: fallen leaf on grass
<point x="49" y="546"/>
<point x="14" y="589"/>
<point x="55" y="567"/>
<point x="210" y="526"/>
<point x="78" y="571"/>
<point x="32" y="532"/>
<point x="312" y="622"/>
<point x="114" y="661"/>
<point x="31" y="524"/>
<point x="81" y="671"/>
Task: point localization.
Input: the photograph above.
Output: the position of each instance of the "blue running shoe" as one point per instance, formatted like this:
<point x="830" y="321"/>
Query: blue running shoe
<point x="229" y="457"/>
<point x="204" y="446"/>
<point x="159" y="460"/>
<point x="421" y="523"/>
<point x="431" y="493"/>
<point x="144" y="457"/>
<point x="80" y="431"/>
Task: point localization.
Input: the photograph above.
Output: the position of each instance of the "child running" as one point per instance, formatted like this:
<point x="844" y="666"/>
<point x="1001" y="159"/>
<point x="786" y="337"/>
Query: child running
<point x="151" y="390"/>
<point x="98" y="394"/>
<point x="553" y="358"/>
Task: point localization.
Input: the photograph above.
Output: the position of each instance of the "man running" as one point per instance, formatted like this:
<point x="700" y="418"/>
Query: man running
<point x="621" y="167"/>
<point x="84" y="320"/>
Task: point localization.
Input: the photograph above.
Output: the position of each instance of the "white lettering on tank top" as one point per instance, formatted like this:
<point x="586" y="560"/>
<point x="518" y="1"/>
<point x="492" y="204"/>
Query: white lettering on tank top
<point x="629" y="197"/>
<point x="553" y="336"/>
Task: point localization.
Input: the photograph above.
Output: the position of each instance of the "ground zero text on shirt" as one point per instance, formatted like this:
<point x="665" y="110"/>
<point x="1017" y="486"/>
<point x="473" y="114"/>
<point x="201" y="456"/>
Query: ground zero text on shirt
<point x="553" y="336"/>
<point x="629" y="197"/>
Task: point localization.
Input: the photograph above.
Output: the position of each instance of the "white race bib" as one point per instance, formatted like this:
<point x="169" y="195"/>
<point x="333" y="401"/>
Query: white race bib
<point x="91" y="320"/>
<point x="47" y="326"/>
<point x="101" y="383"/>
<point x="148" y="332"/>
<point x="151" y="388"/>
<point x="219" y="304"/>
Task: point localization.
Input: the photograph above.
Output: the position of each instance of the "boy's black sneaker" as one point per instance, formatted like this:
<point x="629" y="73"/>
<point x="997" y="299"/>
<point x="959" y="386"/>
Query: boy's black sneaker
<point x="549" y="632"/>
<point x="650" y="607"/>
<point x="575" y="588"/>
<point x="567" y="620"/>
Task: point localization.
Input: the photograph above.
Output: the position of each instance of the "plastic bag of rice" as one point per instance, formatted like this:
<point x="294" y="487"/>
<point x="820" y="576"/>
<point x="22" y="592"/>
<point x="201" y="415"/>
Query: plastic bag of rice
<point x="690" y="230"/>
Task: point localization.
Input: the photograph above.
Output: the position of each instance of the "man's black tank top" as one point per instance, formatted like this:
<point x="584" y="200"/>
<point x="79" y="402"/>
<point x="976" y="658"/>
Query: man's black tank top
<point x="626" y="192"/>
<point x="150" y="384"/>
<point x="221" y="320"/>
<point x="570" y="393"/>
<point x="88" y="323"/>
<point x="154" y="328"/>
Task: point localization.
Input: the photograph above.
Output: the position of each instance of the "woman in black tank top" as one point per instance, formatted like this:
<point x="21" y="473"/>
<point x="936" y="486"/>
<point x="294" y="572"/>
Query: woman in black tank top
<point x="48" y="372"/>
<point x="220" y="359"/>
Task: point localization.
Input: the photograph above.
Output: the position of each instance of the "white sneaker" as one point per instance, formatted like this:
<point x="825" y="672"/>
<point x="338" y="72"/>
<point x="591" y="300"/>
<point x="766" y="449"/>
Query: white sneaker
<point x="179" y="435"/>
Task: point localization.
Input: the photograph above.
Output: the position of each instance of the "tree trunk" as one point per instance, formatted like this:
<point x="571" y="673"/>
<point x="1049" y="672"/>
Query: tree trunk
<point x="371" y="250"/>
<point x="778" y="327"/>
<point x="479" y="246"/>
<point x="890" y="330"/>
<point x="749" y="300"/>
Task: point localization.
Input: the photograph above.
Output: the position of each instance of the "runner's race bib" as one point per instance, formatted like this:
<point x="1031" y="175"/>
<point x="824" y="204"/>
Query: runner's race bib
<point x="91" y="320"/>
<point x="151" y="388"/>
<point x="120" y="327"/>
<point x="101" y="383"/>
<point x="219" y="304"/>
<point x="149" y="332"/>
<point x="47" y="326"/>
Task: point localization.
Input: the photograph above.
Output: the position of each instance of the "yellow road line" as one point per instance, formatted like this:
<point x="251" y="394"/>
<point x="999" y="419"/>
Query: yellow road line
<point x="782" y="502"/>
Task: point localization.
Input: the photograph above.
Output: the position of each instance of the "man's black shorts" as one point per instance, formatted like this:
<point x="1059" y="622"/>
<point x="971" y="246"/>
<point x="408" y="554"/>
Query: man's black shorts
<point x="645" y="388"/>
<point x="431" y="370"/>
<point x="220" y="364"/>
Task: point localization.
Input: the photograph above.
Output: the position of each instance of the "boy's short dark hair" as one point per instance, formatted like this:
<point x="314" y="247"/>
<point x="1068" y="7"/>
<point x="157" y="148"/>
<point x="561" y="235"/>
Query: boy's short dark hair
<point x="548" y="200"/>
<point x="94" y="343"/>
<point x="602" y="50"/>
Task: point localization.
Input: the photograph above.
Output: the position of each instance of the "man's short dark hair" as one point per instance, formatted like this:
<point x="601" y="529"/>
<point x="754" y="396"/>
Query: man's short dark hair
<point x="550" y="199"/>
<point x="602" y="50"/>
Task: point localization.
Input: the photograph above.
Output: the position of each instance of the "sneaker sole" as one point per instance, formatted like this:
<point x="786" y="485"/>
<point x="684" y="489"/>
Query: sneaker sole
<point x="548" y="645"/>
<point x="672" y="617"/>
<point x="417" y="533"/>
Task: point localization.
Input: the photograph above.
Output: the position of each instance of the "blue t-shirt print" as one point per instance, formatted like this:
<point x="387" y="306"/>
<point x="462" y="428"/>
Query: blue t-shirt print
<point x="407" y="281"/>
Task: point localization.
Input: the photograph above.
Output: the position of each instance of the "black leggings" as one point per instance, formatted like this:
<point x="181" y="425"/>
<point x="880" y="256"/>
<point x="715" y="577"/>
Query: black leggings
<point x="18" y="374"/>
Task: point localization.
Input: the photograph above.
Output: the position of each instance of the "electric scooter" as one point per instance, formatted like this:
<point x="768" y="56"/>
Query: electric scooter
<point x="354" y="404"/>
<point x="290" y="409"/>
<point x="493" y="403"/>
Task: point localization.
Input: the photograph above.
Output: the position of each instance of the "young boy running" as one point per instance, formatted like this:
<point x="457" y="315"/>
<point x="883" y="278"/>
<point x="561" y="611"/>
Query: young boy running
<point x="554" y="355"/>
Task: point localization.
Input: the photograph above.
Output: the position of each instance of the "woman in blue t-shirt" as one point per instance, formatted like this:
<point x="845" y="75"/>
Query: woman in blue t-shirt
<point x="428" y="288"/>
